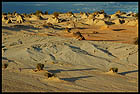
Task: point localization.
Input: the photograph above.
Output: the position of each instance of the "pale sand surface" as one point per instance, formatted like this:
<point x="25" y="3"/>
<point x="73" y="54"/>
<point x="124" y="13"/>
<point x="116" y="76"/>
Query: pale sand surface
<point x="80" y="66"/>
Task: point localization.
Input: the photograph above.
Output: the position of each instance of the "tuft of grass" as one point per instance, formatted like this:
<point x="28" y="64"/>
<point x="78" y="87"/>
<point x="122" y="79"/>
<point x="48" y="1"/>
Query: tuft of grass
<point x="40" y="66"/>
<point x="114" y="70"/>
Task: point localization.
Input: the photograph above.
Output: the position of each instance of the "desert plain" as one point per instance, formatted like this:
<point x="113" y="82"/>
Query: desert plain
<point x="80" y="61"/>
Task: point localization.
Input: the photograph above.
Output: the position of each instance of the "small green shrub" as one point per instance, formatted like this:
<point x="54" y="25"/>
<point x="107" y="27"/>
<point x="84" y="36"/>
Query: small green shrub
<point x="40" y="66"/>
<point x="114" y="70"/>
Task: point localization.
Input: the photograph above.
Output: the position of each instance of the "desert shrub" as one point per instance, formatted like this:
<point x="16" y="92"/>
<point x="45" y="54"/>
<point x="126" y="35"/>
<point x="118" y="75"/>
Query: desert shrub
<point x="96" y="13"/>
<point x="14" y="12"/>
<point x="118" y="12"/>
<point x="136" y="15"/>
<point x="38" y="12"/>
<point x="101" y="11"/>
<point x="70" y="12"/>
<point x="56" y="14"/>
<point x="114" y="70"/>
<point x="88" y="13"/>
<point x="5" y="65"/>
<point x="48" y="74"/>
<point x="9" y="13"/>
<point x="40" y="66"/>
<point x="123" y="13"/>
<point x="81" y="12"/>
<point x="67" y="29"/>
<point x="4" y="13"/>
<point x="136" y="41"/>
<point x="46" y="13"/>
<point x="50" y="24"/>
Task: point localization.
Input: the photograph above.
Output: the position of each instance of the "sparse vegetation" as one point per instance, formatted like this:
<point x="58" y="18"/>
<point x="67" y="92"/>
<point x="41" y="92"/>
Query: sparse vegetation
<point x="67" y="29"/>
<point x="102" y="11"/>
<point x="118" y="12"/>
<point x="136" y="41"/>
<point x="56" y="14"/>
<point x="48" y="75"/>
<point x="5" y="65"/>
<point x="4" y="13"/>
<point x="46" y="13"/>
<point x="114" y="70"/>
<point x="40" y="66"/>
<point x="38" y="12"/>
<point x="81" y="12"/>
<point x="70" y="13"/>
<point x="136" y="15"/>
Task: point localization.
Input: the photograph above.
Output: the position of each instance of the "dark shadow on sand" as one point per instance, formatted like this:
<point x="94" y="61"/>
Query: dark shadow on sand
<point x="20" y="27"/>
<point x="124" y="73"/>
<point x="60" y="70"/>
<point x="118" y="29"/>
<point x="73" y="79"/>
<point x="106" y="40"/>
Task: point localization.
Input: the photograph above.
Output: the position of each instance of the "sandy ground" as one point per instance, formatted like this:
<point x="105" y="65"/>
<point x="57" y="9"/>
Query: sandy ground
<point x="80" y="66"/>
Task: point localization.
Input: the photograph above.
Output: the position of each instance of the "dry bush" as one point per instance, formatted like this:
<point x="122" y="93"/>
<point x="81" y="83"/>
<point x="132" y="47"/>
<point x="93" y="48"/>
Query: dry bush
<point x="136" y="41"/>
<point x="115" y="70"/>
<point x="40" y="66"/>
<point x="5" y="65"/>
<point x="46" y="13"/>
<point x="38" y="12"/>
<point x="48" y="75"/>
<point x="56" y="14"/>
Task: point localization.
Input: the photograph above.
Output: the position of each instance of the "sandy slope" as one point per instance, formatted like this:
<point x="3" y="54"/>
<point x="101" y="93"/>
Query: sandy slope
<point x="81" y="66"/>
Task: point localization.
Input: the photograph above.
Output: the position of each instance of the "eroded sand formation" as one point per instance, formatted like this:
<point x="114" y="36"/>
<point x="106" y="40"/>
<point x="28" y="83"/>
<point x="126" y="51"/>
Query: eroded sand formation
<point x="79" y="48"/>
